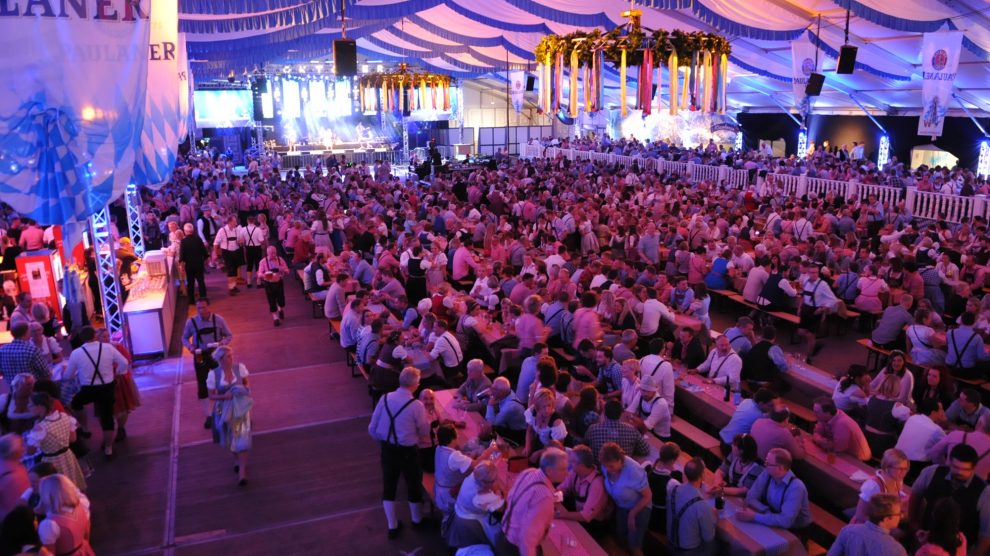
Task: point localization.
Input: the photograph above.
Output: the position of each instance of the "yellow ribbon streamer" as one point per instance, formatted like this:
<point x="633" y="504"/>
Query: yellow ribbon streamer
<point x="622" y="84"/>
<point x="724" y="67"/>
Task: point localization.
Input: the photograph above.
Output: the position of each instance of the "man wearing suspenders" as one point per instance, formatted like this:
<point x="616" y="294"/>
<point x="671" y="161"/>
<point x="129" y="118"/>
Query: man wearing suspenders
<point x="690" y="520"/>
<point x="398" y="424"/>
<point x="95" y="365"/>
<point x="778" y="497"/>
<point x="529" y="507"/>
<point x="816" y="299"/>
<point x="228" y="243"/>
<point x="203" y="333"/>
<point x="253" y="246"/>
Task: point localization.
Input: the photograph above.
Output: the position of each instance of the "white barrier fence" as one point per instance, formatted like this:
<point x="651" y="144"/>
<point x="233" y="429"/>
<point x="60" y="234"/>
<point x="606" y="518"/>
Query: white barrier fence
<point x="927" y="205"/>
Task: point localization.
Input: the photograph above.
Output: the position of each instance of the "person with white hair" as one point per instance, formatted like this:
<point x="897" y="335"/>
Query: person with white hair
<point x="271" y="271"/>
<point x="399" y="423"/>
<point x="529" y="508"/>
<point x="506" y="413"/>
<point x="193" y="257"/>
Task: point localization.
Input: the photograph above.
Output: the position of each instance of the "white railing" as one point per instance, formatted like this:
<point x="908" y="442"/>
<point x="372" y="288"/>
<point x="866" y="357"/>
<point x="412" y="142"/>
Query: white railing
<point x="953" y="208"/>
<point x="927" y="205"/>
<point x="888" y="196"/>
<point x="786" y="183"/>
<point x="821" y="187"/>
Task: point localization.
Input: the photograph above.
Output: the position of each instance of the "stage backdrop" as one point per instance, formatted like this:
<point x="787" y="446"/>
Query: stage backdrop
<point x="960" y="136"/>
<point x="72" y="89"/>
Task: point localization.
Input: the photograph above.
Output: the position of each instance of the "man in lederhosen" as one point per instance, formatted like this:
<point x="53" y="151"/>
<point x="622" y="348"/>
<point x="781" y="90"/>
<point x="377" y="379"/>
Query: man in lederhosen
<point x="203" y="333"/>
<point x="93" y="365"/>
<point x="271" y="273"/>
<point x="398" y="424"/>
<point x="816" y="300"/>
<point x="206" y="229"/>
<point x="228" y="244"/>
<point x="253" y="248"/>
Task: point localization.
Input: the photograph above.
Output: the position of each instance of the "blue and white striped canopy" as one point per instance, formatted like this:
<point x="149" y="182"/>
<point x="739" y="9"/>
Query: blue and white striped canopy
<point x="472" y="38"/>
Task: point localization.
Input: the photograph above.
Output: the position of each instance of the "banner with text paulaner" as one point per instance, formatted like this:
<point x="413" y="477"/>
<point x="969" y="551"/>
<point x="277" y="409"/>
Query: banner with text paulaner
<point x="72" y="86"/>
<point x="939" y="63"/>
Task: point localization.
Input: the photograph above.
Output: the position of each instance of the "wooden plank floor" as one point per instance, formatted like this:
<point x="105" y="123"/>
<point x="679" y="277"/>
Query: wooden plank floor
<point x="314" y="476"/>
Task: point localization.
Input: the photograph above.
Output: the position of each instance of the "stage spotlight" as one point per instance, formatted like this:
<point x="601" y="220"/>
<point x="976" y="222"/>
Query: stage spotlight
<point x="983" y="166"/>
<point x="884" y="155"/>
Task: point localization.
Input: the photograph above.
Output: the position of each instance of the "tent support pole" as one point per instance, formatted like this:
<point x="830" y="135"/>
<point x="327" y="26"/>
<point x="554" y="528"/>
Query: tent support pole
<point x="867" y="112"/>
<point x="970" y="114"/>
<point x="106" y="268"/>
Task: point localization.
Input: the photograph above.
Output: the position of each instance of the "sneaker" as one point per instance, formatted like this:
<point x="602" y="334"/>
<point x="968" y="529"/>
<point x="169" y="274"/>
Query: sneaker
<point x="121" y="435"/>
<point x="394" y="533"/>
<point x="250" y="285"/>
<point x="422" y="524"/>
<point x="108" y="453"/>
<point x="278" y="323"/>
<point x="234" y="291"/>
<point x="242" y="482"/>
<point x="208" y="424"/>
<point x="281" y="314"/>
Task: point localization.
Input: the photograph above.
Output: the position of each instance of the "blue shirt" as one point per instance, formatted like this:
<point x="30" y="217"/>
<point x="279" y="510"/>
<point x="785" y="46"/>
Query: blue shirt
<point x="527" y="374"/>
<point x="740" y="342"/>
<point x="650" y="246"/>
<point x="626" y="490"/>
<point x="780" y="503"/>
<point x="742" y="420"/>
<point x="961" y="351"/>
<point x="362" y="272"/>
<point x="865" y="539"/>
<point x="511" y="413"/>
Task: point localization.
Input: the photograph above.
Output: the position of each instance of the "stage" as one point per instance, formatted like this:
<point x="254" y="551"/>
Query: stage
<point x="301" y="156"/>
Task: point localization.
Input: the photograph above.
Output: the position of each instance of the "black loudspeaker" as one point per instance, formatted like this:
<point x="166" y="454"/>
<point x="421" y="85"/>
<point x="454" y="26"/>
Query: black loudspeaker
<point x="847" y="59"/>
<point x="530" y="83"/>
<point x="258" y="87"/>
<point x="345" y="57"/>
<point x="814" y="87"/>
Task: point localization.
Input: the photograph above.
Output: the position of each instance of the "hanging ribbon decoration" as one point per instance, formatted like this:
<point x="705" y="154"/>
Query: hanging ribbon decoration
<point x="558" y="82"/>
<point x="646" y="83"/>
<point x="659" y="86"/>
<point x="706" y="90"/>
<point x="716" y="75"/>
<point x="574" y="84"/>
<point x="599" y="91"/>
<point x="587" y="92"/>
<point x="672" y="76"/>
<point x="402" y="96"/>
<point x="540" y="96"/>
<point x="723" y="83"/>
<point x="622" y="84"/>
<point x="547" y="85"/>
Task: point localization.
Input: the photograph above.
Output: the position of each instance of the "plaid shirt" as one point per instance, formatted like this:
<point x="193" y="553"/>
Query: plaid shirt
<point x="21" y="356"/>
<point x="623" y="434"/>
<point x="611" y="376"/>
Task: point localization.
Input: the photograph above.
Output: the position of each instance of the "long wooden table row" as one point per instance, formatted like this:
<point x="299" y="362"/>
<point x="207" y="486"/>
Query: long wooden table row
<point x="570" y="537"/>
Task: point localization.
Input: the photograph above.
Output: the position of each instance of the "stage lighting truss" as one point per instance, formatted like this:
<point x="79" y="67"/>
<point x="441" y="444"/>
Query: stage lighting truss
<point x="133" y="199"/>
<point x="106" y="266"/>
<point x="884" y="155"/>
<point x="802" y="150"/>
<point x="983" y="166"/>
<point x="739" y="140"/>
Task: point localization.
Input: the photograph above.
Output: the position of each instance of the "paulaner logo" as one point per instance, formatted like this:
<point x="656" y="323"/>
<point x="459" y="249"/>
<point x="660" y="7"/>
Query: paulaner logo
<point x="109" y="10"/>
<point x="940" y="59"/>
<point x="807" y="66"/>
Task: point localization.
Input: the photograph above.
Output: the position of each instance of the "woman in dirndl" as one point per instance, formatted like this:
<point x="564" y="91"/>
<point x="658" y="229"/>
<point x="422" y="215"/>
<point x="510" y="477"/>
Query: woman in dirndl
<point x="51" y="437"/>
<point x="232" y="405"/>
<point x="126" y="397"/>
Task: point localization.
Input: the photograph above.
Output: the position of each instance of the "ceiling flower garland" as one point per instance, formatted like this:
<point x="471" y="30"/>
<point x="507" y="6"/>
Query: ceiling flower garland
<point x="403" y="91"/>
<point x="701" y="87"/>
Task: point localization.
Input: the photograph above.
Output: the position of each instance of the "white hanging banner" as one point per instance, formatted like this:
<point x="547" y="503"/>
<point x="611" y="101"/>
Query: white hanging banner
<point x="160" y="140"/>
<point x="73" y="78"/>
<point x="185" y="89"/>
<point x="802" y="66"/>
<point x="939" y="63"/>
<point x="517" y="84"/>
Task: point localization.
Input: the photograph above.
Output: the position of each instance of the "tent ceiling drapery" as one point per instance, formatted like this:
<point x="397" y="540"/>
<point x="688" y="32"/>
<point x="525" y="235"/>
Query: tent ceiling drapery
<point x="468" y="38"/>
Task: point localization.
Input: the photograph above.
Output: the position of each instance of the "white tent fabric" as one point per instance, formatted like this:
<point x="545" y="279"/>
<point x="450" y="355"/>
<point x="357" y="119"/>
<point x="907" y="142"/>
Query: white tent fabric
<point x="471" y="38"/>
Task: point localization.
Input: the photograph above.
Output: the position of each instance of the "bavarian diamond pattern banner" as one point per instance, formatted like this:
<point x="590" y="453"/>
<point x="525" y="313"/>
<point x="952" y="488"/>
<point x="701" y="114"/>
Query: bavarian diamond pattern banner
<point x="160" y="139"/>
<point x="517" y="80"/>
<point x="185" y="90"/>
<point x="73" y="77"/>
<point x="939" y="63"/>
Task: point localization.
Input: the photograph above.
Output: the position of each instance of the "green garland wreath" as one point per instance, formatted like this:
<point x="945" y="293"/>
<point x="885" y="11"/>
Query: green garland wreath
<point x="661" y="42"/>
